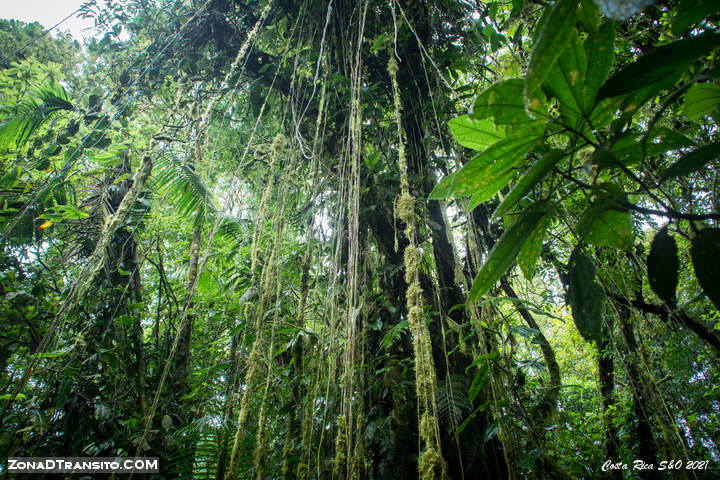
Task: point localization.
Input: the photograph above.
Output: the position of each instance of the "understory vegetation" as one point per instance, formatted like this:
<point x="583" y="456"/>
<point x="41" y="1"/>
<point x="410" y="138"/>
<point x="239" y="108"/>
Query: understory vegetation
<point x="364" y="239"/>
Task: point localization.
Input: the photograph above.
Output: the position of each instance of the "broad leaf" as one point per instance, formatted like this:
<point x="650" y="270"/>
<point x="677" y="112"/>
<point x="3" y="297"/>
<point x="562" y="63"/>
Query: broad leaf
<point x="478" y="382"/>
<point x="505" y="250"/>
<point x="667" y="60"/>
<point x="567" y="81"/>
<point x="607" y="223"/>
<point x="551" y="41"/>
<point x="476" y="134"/>
<point x="701" y="99"/>
<point x="628" y="149"/>
<point x="601" y="116"/>
<point x="604" y="158"/>
<point x="530" y="251"/>
<point x="705" y="252"/>
<point x="467" y="421"/>
<point x="639" y="96"/>
<point x="483" y="358"/>
<point x="505" y="102"/>
<point x="599" y="51"/>
<point x="610" y="228"/>
<point x="585" y="296"/>
<point x="535" y="174"/>
<point x="663" y="265"/>
<point x="692" y="161"/>
<point x="488" y="189"/>
<point x="588" y="16"/>
<point x="479" y="175"/>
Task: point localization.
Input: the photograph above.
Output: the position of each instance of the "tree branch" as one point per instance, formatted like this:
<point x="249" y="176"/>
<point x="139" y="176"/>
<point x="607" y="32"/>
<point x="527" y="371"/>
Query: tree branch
<point x="669" y="213"/>
<point x="684" y="319"/>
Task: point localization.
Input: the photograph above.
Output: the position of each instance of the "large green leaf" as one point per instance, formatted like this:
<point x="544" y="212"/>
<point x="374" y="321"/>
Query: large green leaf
<point x="585" y="296"/>
<point x="487" y="189"/>
<point x="530" y="250"/>
<point x="553" y="36"/>
<point x="38" y="106"/>
<point x="600" y="54"/>
<point x="183" y="187"/>
<point x="639" y="96"/>
<point x="705" y="252"/>
<point x="478" y="382"/>
<point x="663" y="265"/>
<point x="610" y="227"/>
<point x="604" y="158"/>
<point x="701" y="99"/>
<point x="607" y="223"/>
<point x="505" y="102"/>
<point x="629" y="150"/>
<point x="476" y="134"/>
<point x="667" y="60"/>
<point x="692" y="161"/>
<point x="567" y="80"/>
<point x="505" y="250"/>
<point x="535" y="174"/>
<point x="588" y="16"/>
<point x="479" y="176"/>
<point x="601" y="116"/>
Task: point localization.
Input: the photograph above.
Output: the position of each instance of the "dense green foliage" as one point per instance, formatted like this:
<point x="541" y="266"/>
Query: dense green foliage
<point x="278" y="239"/>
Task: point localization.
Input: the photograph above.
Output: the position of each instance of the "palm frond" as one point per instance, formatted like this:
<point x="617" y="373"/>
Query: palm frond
<point x="452" y="401"/>
<point x="180" y="185"/>
<point x="39" y="105"/>
<point x="183" y="187"/>
<point x="195" y="449"/>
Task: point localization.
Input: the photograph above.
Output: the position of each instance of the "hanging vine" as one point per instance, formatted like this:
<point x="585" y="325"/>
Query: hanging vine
<point x="430" y="464"/>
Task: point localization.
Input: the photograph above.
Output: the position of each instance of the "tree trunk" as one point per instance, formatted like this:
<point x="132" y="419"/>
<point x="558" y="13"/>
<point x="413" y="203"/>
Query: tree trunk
<point x="606" y="376"/>
<point x="641" y="433"/>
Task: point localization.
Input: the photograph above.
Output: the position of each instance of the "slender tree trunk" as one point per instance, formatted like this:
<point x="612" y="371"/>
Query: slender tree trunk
<point x="606" y="375"/>
<point x="182" y="358"/>
<point x="641" y="433"/>
<point x="548" y="404"/>
<point x="228" y="408"/>
<point x="137" y="338"/>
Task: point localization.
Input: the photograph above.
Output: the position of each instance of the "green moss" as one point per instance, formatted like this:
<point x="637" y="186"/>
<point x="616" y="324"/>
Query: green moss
<point x="340" y="445"/>
<point x="302" y="470"/>
<point x="392" y="66"/>
<point x="278" y="144"/>
<point x="414" y="293"/>
<point x="415" y="315"/>
<point x="431" y="465"/>
<point x="406" y="208"/>
<point x="412" y="263"/>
